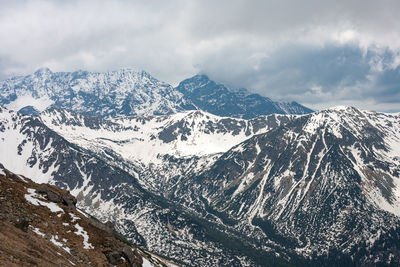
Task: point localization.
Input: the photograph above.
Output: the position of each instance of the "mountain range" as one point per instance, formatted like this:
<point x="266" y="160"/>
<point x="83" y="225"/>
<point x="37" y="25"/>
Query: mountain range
<point x="111" y="189"/>
<point x="203" y="182"/>
<point x="133" y="93"/>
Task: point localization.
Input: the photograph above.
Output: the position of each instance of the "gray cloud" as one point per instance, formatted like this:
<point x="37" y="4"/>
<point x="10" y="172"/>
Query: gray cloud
<point x="315" y="75"/>
<point x="320" y="53"/>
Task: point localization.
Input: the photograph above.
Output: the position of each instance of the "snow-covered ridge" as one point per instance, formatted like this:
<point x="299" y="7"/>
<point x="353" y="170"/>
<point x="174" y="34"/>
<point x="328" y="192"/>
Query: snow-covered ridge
<point x="113" y="93"/>
<point x="353" y="120"/>
<point x="198" y="133"/>
<point x="128" y="92"/>
<point x="146" y="139"/>
<point x="18" y="147"/>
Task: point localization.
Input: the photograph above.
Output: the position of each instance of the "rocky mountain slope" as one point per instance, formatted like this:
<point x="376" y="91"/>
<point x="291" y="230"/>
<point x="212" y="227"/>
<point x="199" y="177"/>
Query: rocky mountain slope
<point x="302" y="183"/>
<point x="108" y="192"/>
<point x="326" y="185"/>
<point x="132" y="93"/>
<point x="220" y="100"/>
<point x="154" y="143"/>
<point x="40" y="226"/>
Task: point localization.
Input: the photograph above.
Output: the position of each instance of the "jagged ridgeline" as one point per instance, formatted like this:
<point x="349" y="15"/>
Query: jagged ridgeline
<point x="131" y="93"/>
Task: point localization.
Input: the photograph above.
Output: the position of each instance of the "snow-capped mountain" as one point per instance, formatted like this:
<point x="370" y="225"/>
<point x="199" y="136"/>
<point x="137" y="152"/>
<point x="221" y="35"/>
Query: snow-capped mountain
<point x="326" y="185"/>
<point x="109" y="193"/>
<point x="117" y="93"/>
<point x="306" y="182"/>
<point x="319" y="188"/>
<point x="132" y="93"/>
<point x="151" y="141"/>
<point x="220" y="100"/>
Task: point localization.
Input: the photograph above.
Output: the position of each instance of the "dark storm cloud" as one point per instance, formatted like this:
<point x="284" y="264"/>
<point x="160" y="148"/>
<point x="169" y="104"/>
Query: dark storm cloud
<point x="314" y="75"/>
<point x="293" y="69"/>
<point x="387" y="87"/>
<point x="318" y="52"/>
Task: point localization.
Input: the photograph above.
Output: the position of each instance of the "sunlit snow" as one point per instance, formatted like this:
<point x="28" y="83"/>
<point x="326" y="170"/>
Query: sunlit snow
<point x="33" y="198"/>
<point x="80" y="231"/>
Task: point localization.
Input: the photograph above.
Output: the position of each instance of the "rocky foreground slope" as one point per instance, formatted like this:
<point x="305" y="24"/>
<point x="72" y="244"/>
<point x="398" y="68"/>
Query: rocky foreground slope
<point x="40" y="226"/>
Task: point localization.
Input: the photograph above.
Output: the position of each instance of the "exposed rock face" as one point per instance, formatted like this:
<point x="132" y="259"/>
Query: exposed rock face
<point x="64" y="198"/>
<point x="220" y="100"/>
<point x="40" y="226"/>
<point x="119" y="256"/>
<point x="325" y="185"/>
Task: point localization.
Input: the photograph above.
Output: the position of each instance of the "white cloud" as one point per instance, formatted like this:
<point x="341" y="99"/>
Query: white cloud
<point x="233" y="41"/>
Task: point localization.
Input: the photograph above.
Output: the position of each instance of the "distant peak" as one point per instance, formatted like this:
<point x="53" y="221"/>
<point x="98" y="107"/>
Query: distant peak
<point x="342" y="108"/>
<point x="128" y="71"/>
<point x="42" y="71"/>
<point x="131" y="72"/>
<point x="199" y="78"/>
<point x="194" y="83"/>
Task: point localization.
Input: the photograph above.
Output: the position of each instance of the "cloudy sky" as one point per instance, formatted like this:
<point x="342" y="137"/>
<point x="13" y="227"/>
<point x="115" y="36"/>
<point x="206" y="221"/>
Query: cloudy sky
<point x="319" y="53"/>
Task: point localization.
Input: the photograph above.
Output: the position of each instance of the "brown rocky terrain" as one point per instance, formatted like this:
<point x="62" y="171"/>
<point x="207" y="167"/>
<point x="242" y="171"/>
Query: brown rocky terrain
<point x="40" y="226"/>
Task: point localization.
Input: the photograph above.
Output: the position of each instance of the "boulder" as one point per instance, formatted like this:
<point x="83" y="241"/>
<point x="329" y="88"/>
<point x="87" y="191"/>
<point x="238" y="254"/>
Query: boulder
<point x="66" y="199"/>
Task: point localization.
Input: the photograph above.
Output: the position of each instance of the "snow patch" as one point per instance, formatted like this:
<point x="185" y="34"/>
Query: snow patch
<point x="147" y="263"/>
<point x="33" y="198"/>
<point x="37" y="231"/>
<point x="28" y="100"/>
<point x="137" y="139"/>
<point x="54" y="240"/>
<point x="84" y="234"/>
<point x="74" y="217"/>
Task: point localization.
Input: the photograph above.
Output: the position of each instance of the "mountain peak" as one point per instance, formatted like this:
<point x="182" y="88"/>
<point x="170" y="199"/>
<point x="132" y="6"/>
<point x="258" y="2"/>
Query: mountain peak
<point x="220" y="100"/>
<point x="195" y="82"/>
<point x="129" y="71"/>
<point x="341" y="108"/>
<point x="201" y="76"/>
<point x="43" y="71"/>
